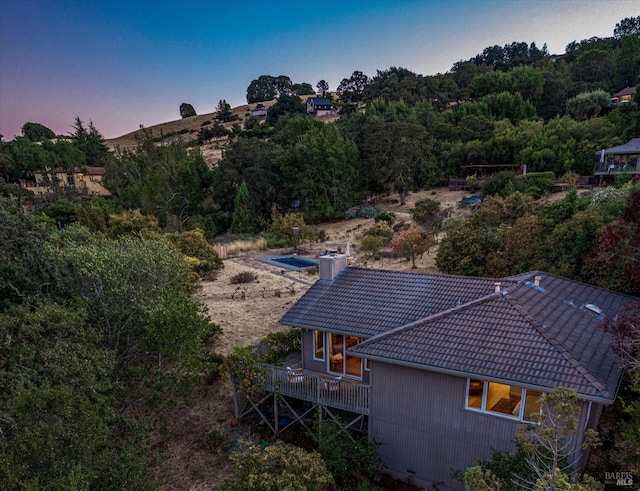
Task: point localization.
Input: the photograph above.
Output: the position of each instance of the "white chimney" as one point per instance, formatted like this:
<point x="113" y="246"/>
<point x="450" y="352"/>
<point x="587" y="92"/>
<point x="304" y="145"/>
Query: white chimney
<point x="497" y="285"/>
<point x="536" y="281"/>
<point x="331" y="265"/>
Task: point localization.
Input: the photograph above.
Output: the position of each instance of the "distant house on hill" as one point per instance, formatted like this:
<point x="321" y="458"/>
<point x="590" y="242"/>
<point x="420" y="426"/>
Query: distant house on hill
<point x="259" y="112"/>
<point x="621" y="159"/>
<point x="320" y="106"/>
<point x="87" y="180"/>
<point x="623" y="97"/>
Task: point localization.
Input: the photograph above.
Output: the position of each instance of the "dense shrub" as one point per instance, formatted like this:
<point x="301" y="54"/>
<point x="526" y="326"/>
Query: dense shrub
<point x="502" y="184"/>
<point x="537" y="183"/>
<point x="385" y="216"/>
<point x="426" y="212"/>
<point x="244" y="277"/>
<point x="277" y="467"/>
<point x="353" y="462"/>
<point x="362" y="211"/>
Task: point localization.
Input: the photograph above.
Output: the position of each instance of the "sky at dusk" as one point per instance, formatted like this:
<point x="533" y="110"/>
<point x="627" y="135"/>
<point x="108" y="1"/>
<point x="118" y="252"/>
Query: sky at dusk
<point x="121" y="63"/>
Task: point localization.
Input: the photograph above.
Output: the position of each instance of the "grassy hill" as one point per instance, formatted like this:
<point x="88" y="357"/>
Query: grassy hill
<point x="186" y="128"/>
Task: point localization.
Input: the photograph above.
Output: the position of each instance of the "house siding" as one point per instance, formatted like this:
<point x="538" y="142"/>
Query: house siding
<point x="425" y="431"/>
<point x="307" y="354"/>
<point x="426" y="438"/>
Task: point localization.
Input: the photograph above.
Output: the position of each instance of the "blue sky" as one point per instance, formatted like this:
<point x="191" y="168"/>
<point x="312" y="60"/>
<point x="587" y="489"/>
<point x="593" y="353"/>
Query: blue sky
<point x="125" y="63"/>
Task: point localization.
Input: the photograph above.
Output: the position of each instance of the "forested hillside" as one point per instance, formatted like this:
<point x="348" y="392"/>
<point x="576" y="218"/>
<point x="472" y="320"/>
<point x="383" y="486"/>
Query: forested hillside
<point x="99" y="333"/>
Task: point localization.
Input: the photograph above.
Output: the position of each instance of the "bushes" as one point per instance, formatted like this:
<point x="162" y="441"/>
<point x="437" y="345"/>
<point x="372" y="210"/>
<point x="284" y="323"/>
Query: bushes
<point x="537" y="183"/>
<point x="352" y="462"/>
<point x="244" y="277"/>
<point x="507" y="182"/>
<point x="277" y="467"/>
<point x="503" y="184"/>
<point x="362" y="211"/>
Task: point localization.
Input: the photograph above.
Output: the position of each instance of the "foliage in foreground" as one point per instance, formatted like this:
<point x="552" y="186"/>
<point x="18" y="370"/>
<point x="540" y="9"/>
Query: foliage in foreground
<point x="544" y="453"/>
<point x="277" y="467"/>
<point x="59" y="422"/>
<point x="353" y="462"/>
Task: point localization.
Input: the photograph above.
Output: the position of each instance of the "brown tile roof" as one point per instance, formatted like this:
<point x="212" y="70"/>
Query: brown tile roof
<point x="542" y="337"/>
<point x="534" y="336"/>
<point x="367" y="302"/>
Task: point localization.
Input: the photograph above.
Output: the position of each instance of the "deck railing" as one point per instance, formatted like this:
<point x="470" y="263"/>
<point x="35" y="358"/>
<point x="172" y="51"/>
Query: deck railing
<point x="336" y="392"/>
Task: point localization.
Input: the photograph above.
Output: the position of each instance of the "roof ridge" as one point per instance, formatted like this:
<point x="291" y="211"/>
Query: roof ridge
<point x="437" y="315"/>
<point x="557" y="345"/>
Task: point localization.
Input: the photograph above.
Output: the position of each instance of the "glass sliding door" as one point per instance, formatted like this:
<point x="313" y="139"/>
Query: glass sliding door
<point x="339" y="361"/>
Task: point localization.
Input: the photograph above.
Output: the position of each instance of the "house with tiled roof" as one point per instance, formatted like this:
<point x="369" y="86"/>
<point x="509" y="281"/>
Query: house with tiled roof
<point x="319" y="106"/>
<point x="441" y="369"/>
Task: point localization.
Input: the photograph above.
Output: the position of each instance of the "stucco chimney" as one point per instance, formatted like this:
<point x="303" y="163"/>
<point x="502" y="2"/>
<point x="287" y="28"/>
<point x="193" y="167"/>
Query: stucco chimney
<point x="497" y="285"/>
<point x="331" y="265"/>
<point x="536" y="281"/>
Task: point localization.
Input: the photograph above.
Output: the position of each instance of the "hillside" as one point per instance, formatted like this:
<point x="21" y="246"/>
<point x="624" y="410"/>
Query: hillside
<point x="185" y="128"/>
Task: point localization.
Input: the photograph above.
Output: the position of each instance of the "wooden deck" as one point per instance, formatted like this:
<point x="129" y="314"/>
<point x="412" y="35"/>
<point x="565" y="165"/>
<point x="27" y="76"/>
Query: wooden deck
<point x="334" y="392"/>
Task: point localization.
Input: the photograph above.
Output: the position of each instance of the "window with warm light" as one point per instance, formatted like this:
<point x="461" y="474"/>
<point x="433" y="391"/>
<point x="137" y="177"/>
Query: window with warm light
<point x="318" y="345"/>
<point x="503" y="400"/>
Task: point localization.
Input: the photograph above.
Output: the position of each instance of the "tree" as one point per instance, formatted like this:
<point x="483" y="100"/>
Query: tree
<point x="549" y="442"/>
<point x="277" y="467"/>
<point x="244" y="216"/>
<point x="286" y="104"/>
<point x="411" y="243"/>
<point x="323" y="88"/>
<point x="224" y="113"/>
<point x="262" y="89"/>
<point x="36" y="132"/>
<point x="625" y="329"/>
<point x="137" y="297"/>
<point x="614" y="260"/>
<point x="32" y="273"/>
<point x="302" y="89"/>
<point x="186" y="110"/>
<point x="168" y="181"/>
<point x="353" y="462"/>
<point x="464" y="250"/>
<point x="397" y="84"/>
<point x="320" y="170"/>
<point x="91" y="143"/>
<point x="351" y="89"/>
<point x="479" y="479"/>
<point x="425" y="212"/>
<point x="394" y="155"/>
<point x="59" y="421"/>
<point x="629" y="26"/>
<point x="588" y="104"/>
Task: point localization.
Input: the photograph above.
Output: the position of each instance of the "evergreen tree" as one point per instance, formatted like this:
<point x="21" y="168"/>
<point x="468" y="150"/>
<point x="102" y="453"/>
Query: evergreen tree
<point x="244" y="216"/>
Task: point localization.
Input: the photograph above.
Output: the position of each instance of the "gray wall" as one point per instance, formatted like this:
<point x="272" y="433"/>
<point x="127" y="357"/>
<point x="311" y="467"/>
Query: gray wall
<point x="420" y="419"/>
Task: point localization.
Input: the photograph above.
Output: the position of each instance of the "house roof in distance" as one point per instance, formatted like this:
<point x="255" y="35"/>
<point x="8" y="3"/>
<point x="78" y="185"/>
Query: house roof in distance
<point x="625" y="91"/>
<point x="632" y="146"/>
<point x="320" y="101"/>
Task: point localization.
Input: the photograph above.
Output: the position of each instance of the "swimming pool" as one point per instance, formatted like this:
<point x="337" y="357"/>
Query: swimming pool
<point x="291" y="261"/>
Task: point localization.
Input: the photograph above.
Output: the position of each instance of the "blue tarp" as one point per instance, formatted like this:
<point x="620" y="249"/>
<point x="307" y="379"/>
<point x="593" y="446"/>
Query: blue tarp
<point x="471" y="200"/>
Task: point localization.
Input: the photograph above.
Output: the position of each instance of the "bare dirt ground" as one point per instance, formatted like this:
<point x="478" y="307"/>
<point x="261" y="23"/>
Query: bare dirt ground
<point x="247" y="313"/>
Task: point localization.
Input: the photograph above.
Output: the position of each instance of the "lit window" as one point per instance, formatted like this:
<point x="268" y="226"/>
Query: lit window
<point x="318" y="345"/>
<point x="502" y="399"/>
